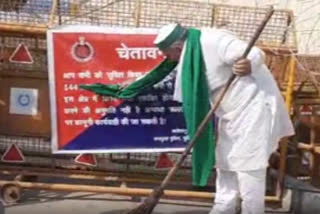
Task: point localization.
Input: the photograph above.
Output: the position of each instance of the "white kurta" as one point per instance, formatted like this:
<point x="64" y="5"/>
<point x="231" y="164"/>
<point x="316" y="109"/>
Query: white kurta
<point x="252" y="117"/>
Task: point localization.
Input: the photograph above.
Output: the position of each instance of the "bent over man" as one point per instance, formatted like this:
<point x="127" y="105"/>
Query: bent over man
<point x="252" y="117"/>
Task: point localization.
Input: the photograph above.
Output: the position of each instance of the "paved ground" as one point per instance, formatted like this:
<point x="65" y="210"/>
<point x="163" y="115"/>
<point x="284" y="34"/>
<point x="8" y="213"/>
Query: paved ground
<point x="44" y="202"/>
<point x="84" y="203"/>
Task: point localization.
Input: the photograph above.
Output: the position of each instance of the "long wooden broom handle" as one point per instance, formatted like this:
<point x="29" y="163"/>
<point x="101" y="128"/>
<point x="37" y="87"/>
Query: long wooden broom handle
<point x="216" y="105"/>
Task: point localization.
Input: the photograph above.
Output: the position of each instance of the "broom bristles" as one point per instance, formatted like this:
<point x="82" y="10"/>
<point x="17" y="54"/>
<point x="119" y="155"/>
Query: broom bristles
<point x="147" y="206"/>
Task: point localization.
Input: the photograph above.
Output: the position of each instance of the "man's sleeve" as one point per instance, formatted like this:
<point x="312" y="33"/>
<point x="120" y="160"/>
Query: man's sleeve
<point x="230" y="48"/>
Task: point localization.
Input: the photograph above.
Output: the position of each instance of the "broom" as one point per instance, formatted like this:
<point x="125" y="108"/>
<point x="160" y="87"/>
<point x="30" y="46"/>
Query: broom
<point x="149" y="203"/>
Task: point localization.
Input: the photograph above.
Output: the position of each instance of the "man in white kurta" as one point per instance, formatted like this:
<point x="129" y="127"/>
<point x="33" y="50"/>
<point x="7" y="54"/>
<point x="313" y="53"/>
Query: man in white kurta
<point x="252" y="117"/>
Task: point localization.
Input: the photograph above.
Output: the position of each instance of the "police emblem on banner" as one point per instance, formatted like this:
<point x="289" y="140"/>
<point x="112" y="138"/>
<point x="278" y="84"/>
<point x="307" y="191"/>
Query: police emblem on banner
<point x="82" y="51"/>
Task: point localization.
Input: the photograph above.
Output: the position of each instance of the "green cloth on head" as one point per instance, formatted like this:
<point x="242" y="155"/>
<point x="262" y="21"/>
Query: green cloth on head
<point x="138" y="86"/>
<point x="196" y="105"/>
<point x="195" y="101"/>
